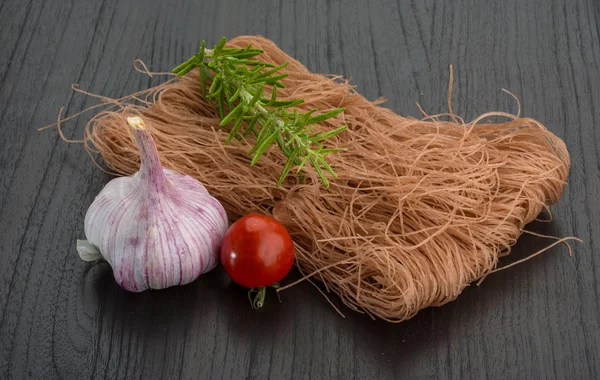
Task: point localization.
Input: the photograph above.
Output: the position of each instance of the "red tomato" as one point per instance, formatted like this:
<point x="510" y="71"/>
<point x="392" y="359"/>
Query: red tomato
<point x="257" y="251"/>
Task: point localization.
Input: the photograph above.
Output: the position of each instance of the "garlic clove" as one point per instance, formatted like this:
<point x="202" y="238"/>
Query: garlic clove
<point x="88" y="251"/>
<point x="156" y="228"/>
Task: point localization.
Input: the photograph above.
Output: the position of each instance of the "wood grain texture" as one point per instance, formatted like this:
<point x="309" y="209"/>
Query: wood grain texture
<point x="61" y="318"/>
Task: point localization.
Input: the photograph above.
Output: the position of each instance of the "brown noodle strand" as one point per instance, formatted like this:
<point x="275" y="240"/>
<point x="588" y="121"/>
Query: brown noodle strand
<point x="420" y="208"/>
<point x="557" y="242"/>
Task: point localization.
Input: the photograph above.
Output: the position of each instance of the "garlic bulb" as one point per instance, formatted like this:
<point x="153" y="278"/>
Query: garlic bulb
<point x="156" y="228"/>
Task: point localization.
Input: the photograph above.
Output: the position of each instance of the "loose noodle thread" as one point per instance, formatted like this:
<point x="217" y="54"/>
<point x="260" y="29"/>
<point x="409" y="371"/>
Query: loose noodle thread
<point x="420" y="208"/>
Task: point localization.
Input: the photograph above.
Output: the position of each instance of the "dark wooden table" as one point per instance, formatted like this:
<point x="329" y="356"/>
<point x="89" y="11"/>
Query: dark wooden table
<point x="61" y="318"/>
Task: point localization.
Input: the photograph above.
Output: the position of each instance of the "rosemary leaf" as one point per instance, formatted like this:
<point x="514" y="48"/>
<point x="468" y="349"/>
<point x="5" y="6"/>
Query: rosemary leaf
<point x="237" y="85"/>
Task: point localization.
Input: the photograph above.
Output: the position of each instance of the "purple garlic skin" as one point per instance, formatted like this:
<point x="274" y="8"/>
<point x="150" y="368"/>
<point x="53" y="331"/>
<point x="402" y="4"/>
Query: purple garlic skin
<point x="156" y="228"/>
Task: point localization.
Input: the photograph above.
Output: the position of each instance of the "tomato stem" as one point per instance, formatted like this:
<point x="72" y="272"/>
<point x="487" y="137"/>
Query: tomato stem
<point x="259" y="298"/>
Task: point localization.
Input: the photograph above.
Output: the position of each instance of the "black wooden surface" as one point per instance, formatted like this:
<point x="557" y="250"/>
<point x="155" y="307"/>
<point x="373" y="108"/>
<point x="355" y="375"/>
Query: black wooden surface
<point x="62" y="318"/>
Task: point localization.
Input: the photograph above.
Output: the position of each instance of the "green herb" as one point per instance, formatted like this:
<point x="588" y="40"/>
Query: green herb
<point x="238" y="85"/>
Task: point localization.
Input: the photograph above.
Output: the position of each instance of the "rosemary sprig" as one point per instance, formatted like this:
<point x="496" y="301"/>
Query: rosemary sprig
<point x="238" y="86"/>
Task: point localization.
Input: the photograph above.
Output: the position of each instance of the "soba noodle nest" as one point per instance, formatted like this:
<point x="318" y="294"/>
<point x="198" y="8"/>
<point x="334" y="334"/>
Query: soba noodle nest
<point x="420" y="208"/>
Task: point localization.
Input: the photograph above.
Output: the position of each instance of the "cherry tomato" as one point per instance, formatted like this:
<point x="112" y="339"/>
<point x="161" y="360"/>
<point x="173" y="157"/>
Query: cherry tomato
<point x="257" y="251"/>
